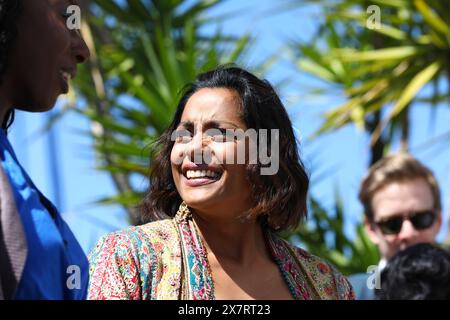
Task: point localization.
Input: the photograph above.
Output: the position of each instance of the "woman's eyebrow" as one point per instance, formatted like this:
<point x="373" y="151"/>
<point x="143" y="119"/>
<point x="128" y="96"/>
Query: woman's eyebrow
<point x="218" y="123"/>
<point x="186" y="124"/>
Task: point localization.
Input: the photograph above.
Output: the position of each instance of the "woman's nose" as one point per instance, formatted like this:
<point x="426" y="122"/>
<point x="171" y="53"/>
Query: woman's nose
<point x="198" y="152"/>
<point x="79" y="48"/>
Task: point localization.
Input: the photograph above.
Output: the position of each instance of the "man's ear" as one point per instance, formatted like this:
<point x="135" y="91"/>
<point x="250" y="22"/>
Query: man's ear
<point x="371" y="232"/>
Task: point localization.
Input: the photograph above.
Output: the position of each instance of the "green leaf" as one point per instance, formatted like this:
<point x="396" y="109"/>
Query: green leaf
<point x="396" y="53"/>
<point x="417" y="83"/>
<point x="316" y="69"/>
<point x="433" y="19"/>
<point x="394" y="3"/>
<point x="391" y="32"/>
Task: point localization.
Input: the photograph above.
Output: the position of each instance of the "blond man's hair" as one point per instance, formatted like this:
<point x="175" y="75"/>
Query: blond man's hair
<point x="400" y="167"/>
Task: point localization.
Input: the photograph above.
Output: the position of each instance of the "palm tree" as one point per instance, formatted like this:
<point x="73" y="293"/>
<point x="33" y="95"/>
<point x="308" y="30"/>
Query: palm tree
<point x="380" y="69"/>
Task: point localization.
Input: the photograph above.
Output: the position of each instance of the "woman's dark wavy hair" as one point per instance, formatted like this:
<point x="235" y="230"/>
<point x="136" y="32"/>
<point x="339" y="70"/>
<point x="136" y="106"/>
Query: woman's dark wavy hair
<point x="279" y="200"/>
<point x="9" y="12"/>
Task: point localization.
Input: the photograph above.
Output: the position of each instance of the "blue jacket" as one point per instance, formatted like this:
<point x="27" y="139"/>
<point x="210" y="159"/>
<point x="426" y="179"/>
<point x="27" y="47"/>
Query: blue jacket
<point x="40" y="257"/>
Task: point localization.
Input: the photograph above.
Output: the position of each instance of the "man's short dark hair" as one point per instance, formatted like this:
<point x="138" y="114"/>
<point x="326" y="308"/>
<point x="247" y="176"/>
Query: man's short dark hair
<point x="420" y="272"/>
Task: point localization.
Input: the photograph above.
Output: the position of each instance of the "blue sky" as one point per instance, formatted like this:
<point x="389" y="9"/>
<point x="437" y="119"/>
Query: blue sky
<point x="342" y="155"/>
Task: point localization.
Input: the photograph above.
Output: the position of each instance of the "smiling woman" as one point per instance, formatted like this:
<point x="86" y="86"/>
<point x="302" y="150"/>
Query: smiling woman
<point x="215" y="221"/>
<point x="39" y="256"/>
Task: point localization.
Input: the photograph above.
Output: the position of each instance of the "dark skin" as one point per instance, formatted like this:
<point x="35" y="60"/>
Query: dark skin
<point x="44" y="57"/>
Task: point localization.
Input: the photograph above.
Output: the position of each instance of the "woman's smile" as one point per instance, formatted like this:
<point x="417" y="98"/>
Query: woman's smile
<point x="198" y="181"/>
<point x="199" y="175"/>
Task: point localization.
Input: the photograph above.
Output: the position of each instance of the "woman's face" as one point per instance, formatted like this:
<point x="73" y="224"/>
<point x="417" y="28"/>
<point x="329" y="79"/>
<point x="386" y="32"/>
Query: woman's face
<point x="214" y="183"/>
<point x="44" y="56"/>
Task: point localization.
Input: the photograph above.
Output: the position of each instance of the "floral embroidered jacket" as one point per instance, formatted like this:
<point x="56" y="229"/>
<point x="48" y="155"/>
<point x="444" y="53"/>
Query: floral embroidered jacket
<point x="167" y="260"/>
